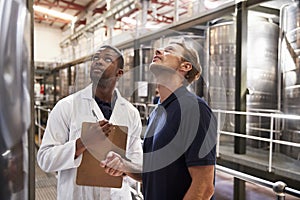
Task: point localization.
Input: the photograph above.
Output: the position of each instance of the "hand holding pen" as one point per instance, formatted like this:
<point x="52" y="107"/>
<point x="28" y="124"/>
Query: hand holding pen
<point x="95" y="132"/>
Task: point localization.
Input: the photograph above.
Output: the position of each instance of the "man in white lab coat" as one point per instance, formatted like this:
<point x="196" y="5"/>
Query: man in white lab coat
<point x="61" y="149"/>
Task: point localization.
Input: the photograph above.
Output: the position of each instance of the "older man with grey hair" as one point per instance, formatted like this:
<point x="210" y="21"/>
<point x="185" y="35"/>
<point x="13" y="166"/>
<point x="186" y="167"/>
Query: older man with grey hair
<point x="180" y="140"/>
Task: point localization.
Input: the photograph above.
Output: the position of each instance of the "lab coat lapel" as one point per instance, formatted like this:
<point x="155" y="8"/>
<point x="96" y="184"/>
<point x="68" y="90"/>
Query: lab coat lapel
<point x="86" y="95"/>
<point x="118" y="111"/>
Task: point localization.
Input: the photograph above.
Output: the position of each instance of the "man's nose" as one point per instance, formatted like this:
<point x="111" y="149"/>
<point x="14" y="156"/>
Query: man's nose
<point x="159" y="51"/>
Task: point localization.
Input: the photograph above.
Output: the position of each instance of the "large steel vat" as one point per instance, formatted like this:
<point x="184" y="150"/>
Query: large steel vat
<point x="262" y="45"/>
<point x="290" y="64"/>
<point x="222" y="54"/>
<point x="262" y="70"/>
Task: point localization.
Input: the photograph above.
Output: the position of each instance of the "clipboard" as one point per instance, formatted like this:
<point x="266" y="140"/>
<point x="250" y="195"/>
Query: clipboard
<point x="89" y="173"/>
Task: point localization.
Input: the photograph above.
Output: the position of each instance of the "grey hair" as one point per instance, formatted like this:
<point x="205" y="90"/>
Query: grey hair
<point x="190" y="55"/>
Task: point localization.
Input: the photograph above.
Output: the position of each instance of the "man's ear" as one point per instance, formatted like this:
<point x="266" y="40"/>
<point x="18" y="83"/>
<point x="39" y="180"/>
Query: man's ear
<point x="186" y="66"/>
<point x="120" y="72"/>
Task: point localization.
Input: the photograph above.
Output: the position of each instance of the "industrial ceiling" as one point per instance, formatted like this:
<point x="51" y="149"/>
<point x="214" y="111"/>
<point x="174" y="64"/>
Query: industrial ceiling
<point x="158" y="11"/>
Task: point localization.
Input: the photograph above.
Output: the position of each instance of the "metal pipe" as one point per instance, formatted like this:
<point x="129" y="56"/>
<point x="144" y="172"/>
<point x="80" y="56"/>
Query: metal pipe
<point x="39" y="132"/>
<point x="31" y="131"/>
<point x="218" y="135"/>
<point x="275" y="115"/>
<point x="261" y="139"/>
<point x="176" y="11"/>
<point x="271" y="144"/>
<point x="279" y="187"/>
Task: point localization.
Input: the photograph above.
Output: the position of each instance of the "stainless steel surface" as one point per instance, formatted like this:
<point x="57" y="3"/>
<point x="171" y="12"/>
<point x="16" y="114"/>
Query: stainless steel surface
<point x="291" y="74"/>
<point x="262" y="73"/>
<point x="222" y="54"/>
<point x="261" y="69"/>
<point x="11" y="72"/>
<point x="15" y="99"/>
<point x="262" y="62"/>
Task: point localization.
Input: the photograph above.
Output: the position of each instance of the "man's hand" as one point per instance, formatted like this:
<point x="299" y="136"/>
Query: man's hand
<point x="106" y="127"/>
<point x="95" y="133"/>
<point x="113" y="164"/>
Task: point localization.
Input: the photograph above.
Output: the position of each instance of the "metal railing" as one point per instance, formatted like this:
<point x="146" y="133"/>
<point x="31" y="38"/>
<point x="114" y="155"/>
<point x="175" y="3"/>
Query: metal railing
<point x="38" y="121"/>
<point x="279" y="187"/>
<point x="144" y="110"/>
<point x="271" y="130"/>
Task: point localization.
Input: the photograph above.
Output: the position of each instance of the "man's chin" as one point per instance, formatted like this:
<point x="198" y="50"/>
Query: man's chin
<point x="158" y="69"/>
<point x="103" y="82"/>
<point x="95" y="79"/>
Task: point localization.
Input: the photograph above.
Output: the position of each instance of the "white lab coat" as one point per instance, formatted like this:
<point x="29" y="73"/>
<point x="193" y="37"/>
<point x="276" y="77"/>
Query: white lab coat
<point x="57" y="150"/>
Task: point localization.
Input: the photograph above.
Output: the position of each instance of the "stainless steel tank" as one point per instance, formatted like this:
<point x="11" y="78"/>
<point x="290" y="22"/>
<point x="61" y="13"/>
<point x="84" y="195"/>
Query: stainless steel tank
<point x="262" y="70"/>
<point x="290" y="64"/>
<point x="221" y="75"/>
<point x="15" y="99"/>
<point x="262" y="48"/>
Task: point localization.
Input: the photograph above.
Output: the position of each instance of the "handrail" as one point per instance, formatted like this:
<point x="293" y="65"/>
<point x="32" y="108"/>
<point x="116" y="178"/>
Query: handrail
<point x="144" y="114"/>
<point x="279" y="187"/>
<point x="271" y="130"/>
<point x="43" y="109"/>
<point x="261" y="139"/>
<point x="275" y="115"/>
<point x="37" y="120"/>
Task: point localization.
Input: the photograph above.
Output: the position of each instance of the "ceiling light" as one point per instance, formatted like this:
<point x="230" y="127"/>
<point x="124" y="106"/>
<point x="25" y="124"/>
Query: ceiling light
<point x="54" y="13"/>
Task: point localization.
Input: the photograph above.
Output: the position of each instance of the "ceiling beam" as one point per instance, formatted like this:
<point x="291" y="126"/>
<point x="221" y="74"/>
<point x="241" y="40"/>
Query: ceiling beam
<point x="49" y="19"/>
<point x="72" y="7"/>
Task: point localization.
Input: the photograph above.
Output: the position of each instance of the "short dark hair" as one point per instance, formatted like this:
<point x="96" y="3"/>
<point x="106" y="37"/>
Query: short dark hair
<point x="120" y="58"/>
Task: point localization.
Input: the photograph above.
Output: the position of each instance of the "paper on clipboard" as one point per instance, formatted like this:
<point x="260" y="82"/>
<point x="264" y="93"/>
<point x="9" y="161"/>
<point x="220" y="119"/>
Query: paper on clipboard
<point x="89" y="173"/>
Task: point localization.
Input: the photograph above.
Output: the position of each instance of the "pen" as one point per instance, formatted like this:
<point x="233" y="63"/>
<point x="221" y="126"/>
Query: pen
<point x="95" y="114"/>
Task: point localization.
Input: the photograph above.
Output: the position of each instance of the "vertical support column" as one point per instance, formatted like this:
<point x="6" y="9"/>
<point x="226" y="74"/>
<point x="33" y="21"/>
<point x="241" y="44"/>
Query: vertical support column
<point x="31" y="131"/>
<point x="110" y="23"/>
<point x="176" y="11"/>
<point x="141" y="65"/>
<point x="108" y="4"/>
<point x="241" y="76"/>
<point x="241" y="90"/>
<point x="136" y="65"/>
<point x="145" y="7"/>
<point x="55" y="73"/>
<point x="69" y="77"/>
